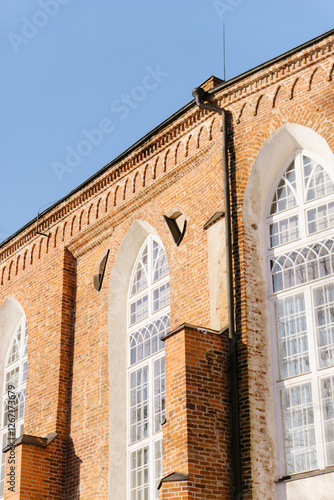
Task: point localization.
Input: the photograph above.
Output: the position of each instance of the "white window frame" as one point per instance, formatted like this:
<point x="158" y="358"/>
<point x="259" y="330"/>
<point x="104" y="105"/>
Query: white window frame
<point x="21" y="387"/>
<point x="153" y="437"/>
<point x="316" y="374"/>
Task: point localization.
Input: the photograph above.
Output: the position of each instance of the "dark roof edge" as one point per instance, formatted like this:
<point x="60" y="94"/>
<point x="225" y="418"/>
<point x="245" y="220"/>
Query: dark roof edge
<point x="97" y="174"/>
<point x="165" y="123"/>
<point x="290" y="52"/>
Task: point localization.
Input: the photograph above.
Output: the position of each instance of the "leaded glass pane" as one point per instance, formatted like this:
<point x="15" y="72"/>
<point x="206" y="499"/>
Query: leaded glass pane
<point x="21" y="401"/>
<point x="14" y="353"/>
<point x="160" y="264"/>
<point x="284" y="231"/>
<point x="140" y="276"/>
<point x="320" y="218"/>
<point x="4" y="422"/>
<point x="147" y="340"/>
<point x="139" y="474"/>
<point x="327" y="397"/>
<point x="284" y="196"/>
<point x="24" y="372"/>
<point x="139" y="404"/>
<point x="298" y="428"/>
<point x="161" y="297"/>
<point x="323" y="298"/>
<point x="157" y="465"/>
<point x="25" y="340"/>
<point x="303" y="265"/>
<point x="159" y="393"/>
<point x="139" y="310"/>
<point x="317" y="181"/>
<point x="13" y="378"/>
<point x="292" y="336"/>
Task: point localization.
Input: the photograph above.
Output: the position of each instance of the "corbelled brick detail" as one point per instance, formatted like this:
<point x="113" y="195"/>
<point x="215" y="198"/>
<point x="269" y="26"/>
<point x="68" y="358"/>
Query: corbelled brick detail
<point x="37" y="473"/>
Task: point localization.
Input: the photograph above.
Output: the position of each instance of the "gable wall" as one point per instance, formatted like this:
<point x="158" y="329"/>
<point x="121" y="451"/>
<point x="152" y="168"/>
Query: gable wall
<point x="52" y="277"/>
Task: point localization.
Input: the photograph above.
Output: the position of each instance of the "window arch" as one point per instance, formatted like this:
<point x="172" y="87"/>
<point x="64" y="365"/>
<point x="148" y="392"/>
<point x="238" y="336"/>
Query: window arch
<point x="300" y="259"/>
<point x="148" y="320"/>
<point x="15" y="376"/>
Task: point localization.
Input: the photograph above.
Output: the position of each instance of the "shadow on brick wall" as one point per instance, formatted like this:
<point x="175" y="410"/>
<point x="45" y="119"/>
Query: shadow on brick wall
<point x="244" y="406"/>
<point x="72" y="473"/>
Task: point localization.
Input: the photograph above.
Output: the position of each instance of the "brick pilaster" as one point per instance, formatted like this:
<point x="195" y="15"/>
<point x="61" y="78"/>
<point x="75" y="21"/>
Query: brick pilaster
<point x="197" y="434"/>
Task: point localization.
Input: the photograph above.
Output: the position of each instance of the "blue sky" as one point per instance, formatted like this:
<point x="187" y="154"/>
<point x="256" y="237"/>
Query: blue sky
<point x="83" y="80"/>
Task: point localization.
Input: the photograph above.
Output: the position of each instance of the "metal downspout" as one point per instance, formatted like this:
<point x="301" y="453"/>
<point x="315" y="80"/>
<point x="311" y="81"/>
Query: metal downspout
<point x="201" y="95"/>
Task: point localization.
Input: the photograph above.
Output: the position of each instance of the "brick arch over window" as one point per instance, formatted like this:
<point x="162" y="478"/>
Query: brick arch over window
<point x="275" y="152"/>
<point x="289" y="144"/>
<point x="117" y="314"/>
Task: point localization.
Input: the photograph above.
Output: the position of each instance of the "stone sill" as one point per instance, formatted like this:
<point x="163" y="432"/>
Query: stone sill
<point x="303" y="475"/>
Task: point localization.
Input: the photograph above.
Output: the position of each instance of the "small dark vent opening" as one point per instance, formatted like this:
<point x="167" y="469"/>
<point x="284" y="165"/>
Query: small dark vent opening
<point x="98" y="278"/>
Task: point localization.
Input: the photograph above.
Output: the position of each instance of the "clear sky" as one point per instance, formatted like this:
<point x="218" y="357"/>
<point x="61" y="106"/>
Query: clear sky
<point x="72" y="67"/>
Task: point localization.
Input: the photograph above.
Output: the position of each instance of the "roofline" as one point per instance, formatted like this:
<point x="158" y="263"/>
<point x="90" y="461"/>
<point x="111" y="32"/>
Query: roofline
<point x="276" y="59"/>
<point x="166" y="122"/>
<point x="106" y="167"/>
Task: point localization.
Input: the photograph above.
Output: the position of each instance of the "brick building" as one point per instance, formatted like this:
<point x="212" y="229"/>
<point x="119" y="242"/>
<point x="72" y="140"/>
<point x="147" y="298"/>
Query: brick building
<point x="132" y="314"/>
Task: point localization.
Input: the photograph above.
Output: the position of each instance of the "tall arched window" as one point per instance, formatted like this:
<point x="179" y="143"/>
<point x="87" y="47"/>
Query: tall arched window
<point x="301" y="267"/>
<point x="148" y="321"/>
<point x="15" y="376"/>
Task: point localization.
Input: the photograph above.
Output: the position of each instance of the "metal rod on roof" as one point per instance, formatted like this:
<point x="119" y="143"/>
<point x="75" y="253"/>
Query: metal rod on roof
<point x="224" y="50"/>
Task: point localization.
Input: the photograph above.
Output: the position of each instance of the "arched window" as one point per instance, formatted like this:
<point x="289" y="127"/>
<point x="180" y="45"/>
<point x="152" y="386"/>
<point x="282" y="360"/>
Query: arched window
<point x="148" y="321"/>
<point x="15" y="376"/>
<point x="300" y="263"/>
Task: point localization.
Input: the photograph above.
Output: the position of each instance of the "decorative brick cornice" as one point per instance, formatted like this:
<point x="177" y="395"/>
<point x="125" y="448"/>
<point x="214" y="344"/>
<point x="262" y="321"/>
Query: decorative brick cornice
<point x="87" y="240"/>
<point x="114" y="175"/>
<point x="276" y="72"/>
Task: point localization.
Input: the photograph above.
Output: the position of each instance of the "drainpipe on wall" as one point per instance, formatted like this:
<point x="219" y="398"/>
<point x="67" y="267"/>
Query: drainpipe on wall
<point x="201" y="95"/>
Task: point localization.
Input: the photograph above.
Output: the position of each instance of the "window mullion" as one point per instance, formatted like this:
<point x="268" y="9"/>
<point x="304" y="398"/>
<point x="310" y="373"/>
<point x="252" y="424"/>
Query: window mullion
<point x="318" y="423"/>
<point x="319" y="426"/>
<point x="150" y="277"/>
<point x="300" y="195"/>
<point x="312" y="342"/>
<point x="275" y="344"/>
<point x="151" y="425"/>
<point x="311" y="330"/>
<point x="315" y="385"/>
